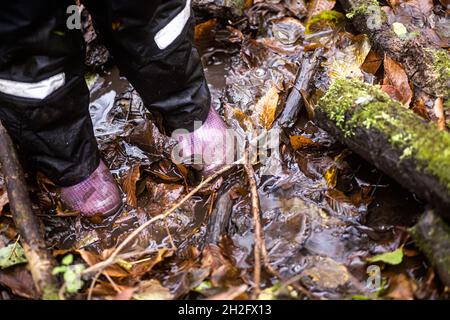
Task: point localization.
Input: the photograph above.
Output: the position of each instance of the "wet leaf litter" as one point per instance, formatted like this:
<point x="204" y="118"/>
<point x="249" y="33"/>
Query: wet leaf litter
<point x="326" y="214"/>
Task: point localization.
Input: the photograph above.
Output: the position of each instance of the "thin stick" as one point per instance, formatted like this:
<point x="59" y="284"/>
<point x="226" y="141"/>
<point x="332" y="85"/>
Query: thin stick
<point x="260" y="244"/>
<point x="111" y="281"/>
<point x="91" y="287"/>
<point x="112" y="258"/>
<point x="256" y="223"/>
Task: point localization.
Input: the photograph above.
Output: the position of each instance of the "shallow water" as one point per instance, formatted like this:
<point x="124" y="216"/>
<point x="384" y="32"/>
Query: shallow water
<point x="314" y="232"/>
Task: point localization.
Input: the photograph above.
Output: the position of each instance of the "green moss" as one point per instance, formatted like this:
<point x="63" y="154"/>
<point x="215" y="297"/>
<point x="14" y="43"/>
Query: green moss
<point x="326" y="17"/>
<point x="430" y="233"/>
<point x="362" y="7"/>
<point x="50" y="293"/>
<point x="441" y="67"/>
<point x="352" y="104"/>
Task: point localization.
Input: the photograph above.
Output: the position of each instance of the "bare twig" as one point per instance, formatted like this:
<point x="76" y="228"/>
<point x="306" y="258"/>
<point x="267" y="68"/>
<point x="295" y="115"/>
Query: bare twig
<point x="113" y="257"/>
<point x="91" y="287"/>
<point x="256" y="223"/>
<point x="260" y="244"/>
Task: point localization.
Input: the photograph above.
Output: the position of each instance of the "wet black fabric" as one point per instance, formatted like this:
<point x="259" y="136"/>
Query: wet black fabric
<point x="56" y="133"/>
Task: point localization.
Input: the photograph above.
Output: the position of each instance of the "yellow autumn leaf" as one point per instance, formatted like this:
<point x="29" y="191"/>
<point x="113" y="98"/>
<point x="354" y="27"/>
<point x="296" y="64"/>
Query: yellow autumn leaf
<point x="301" y="142"/>
<point x="331" y="176"/>
<point x="346" y="63"/>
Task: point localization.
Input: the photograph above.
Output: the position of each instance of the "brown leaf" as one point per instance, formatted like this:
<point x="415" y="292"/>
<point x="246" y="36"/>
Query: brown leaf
<point x="265" y="109"/>
<point x="395" y="75"/>
<point x="204" y="33"/>
<point x="152" y="290"/>
<point x="425" y="7"/>
<point x="18" y="279"/>
<point x="401" y="288"/>
<point x="237" y="115"/>
<point x="420" y="109"/>
<point x="125" y="295"/>
<point x="92" y="259"/>
<point x="392" y="92"/>
<point x="129" y="184"/>
<point x="142" y="268"/>
<point x="317" y="6"/>
<point x="223" y="272"/>
<point x="372" y="63"/>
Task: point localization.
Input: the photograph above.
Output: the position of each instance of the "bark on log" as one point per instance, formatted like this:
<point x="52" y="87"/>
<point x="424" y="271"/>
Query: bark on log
<point x="220" y="218"/>
<point x="394" y="139"/>
<point x="219" y="8"/>
<point x="423" y="62"/>
<point x="39" y="259"/>
<point x="432" y="236"/>
<point x="294" y="101"/>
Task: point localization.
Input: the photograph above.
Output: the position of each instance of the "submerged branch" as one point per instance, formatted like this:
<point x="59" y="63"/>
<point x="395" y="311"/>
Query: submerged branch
<point x="39" y="259"/>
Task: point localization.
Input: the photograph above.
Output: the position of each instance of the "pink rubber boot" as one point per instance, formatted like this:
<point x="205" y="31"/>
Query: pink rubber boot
<point x="97" y="194"/>
<point x="209" y="144"/>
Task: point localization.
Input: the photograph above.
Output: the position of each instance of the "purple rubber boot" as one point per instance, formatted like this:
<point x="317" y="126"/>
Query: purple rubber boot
<point x="209" y="145"/>
<point x="98" y="194"/>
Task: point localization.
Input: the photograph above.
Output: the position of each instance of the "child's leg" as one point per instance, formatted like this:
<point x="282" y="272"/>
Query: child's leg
<point x="151" y="42"/>
<point x="44" y="102"/>
<point x="43" y="96"/>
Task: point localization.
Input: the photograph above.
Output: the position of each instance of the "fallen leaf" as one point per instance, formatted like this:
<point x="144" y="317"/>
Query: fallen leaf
<point x="145" y="267"/>
<point x="18" y="279"/>
<point x="372" y="63"/>
<point x="265" y="109"/>
<point x="223" y="272"/>
<point x="152" y="290"/>
<point x="92" y="259"/>
<point x="203" y="31"/>
<point x="393" y="258"/>
<point x="325" y="273"/>
<point x="317" y="6"/>
<point x="424" y="7"/>
<point x="331" y="176"/>
<point x="346" y="63"/>
<point x="395" y="75"/>
<point x="420" y="109"/>
<point x="400" y="288"/>
<point x="440" y="115"/>
<point x="12" y="255"/>
<point x="129" y="184"/>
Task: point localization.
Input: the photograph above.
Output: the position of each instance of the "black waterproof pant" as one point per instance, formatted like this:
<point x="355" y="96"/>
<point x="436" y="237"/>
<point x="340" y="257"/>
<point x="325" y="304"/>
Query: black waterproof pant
<point x="44" y="98"/>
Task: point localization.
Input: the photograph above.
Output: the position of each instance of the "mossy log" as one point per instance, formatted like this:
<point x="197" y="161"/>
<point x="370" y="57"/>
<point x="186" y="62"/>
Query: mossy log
<point x="432" y="236"/>
<point x="427" y="67"/>
<point x="40" y="261"/>
<point x="410" y="150"/>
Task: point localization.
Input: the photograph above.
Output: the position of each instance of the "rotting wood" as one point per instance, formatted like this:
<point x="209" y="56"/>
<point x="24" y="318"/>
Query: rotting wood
<point x="32" y="239"/>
